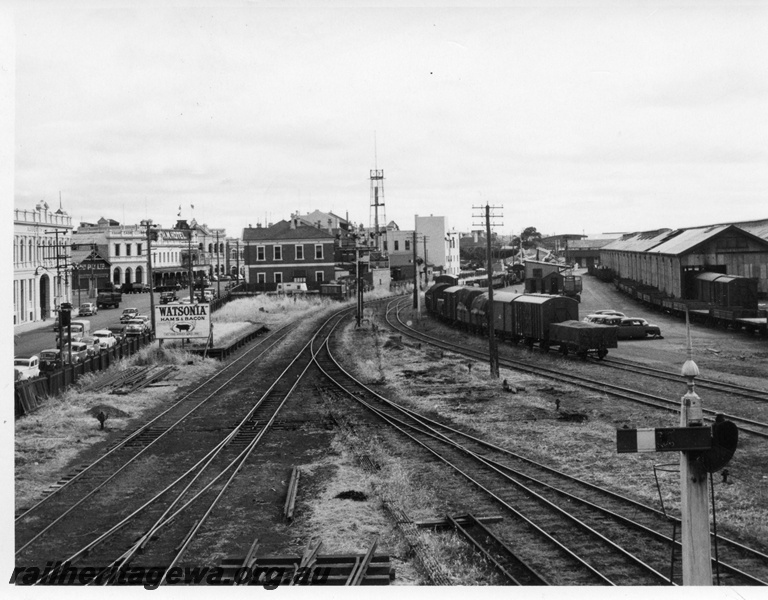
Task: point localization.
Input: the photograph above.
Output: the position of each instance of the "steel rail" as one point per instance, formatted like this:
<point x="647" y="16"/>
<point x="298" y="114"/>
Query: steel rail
<point x="274" y="338"/>
<point x="144" y="449"/>
<point x="702" y="382"/>
<point x="572" y="379"/>
<point x="236" y="463"/>
<point x="469" y="477"/>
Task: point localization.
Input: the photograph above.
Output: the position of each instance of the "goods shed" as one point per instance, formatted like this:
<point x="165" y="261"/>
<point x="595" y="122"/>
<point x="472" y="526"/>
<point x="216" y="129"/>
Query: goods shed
<point x="669" y="260"/>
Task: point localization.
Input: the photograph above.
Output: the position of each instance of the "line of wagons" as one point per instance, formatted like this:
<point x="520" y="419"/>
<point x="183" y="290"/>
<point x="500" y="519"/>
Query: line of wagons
<point x="540" y="319"/>
<point x="713" y="298"/>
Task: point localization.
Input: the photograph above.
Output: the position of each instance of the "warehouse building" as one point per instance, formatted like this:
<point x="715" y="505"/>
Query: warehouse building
<point x="669" y="260"/>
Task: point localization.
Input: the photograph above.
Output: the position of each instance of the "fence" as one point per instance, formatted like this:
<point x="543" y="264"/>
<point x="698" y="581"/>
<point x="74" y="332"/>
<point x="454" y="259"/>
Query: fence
<point x="29" y="395"/>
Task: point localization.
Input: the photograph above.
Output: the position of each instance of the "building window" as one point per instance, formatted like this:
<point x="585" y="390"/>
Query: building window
<point x="138" y="249"/>
<point x="385" y="245"/>
<point x="278" y="278"/>
<point x="319" y="276"/>
<point x="261" y="278"/>
<point x="260" y="253"/>
<point x="299" y="252"/>
<point x="278" y="252"/>
<point x="117" y="249"/>
<point x="127" y="249"/>
<point x="318" y="251"/>
<point x="397" y="245"/>
<point x="407" y="244"/>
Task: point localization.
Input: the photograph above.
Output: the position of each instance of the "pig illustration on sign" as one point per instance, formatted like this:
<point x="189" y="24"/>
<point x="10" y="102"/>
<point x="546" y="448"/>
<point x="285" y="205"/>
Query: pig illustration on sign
<point x="183" y="327"/>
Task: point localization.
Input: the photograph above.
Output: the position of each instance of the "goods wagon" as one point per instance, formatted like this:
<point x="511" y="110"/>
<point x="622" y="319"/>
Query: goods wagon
<point x="727" y="291"/>
<point x="523" y="317"/>
<point x="431" y="297"/>
<point x="464" y="299"/>
<point x="583" y="338"/>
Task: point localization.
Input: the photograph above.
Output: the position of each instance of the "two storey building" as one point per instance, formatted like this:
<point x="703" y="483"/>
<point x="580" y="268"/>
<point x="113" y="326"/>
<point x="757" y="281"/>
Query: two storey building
<point x="288" y="251"/>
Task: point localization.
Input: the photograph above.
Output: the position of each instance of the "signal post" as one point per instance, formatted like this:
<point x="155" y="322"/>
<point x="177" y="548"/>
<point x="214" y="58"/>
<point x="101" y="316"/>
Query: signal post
<point x="703" y="450"/>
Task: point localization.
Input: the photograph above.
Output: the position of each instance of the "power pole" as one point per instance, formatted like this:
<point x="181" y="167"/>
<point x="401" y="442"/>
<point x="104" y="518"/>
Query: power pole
<point x="415" y="275"/>
<point x="218" y="268"/>
<point x="191" y="280"/>
<point x="493" y="351"/>
<point x="148" y="224"/>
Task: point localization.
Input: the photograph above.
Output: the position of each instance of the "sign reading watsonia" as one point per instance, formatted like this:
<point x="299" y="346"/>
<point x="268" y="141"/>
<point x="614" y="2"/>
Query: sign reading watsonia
<point x="182" y="321"/>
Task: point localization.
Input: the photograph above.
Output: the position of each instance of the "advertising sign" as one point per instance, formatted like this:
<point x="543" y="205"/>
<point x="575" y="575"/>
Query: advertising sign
<point x="182" y="321"/>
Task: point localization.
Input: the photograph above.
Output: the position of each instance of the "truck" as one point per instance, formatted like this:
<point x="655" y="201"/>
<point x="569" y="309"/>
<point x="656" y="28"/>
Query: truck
<point x="109" y="298"/>
<point x="79" y="327"/>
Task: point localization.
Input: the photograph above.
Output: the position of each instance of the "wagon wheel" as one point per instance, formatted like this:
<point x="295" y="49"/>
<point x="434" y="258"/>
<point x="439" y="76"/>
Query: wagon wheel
<point x="564" y="350"/>
<point x="601" y="353"/>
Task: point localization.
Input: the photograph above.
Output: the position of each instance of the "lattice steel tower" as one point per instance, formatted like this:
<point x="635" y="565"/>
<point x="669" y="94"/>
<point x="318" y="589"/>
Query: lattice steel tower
<point x="378" y="218"/>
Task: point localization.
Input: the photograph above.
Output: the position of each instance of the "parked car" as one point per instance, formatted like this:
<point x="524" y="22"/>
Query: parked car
<point x="106" y="339"/>
<point x="51" y="359"/>
<point x="87" y="309"/>
<point x="93" y="343"/>
<point x="118" y="332"/>
<point x="637" y="328"/>
<point x="136" y="327"/>
<point x="80" y="351"/>
<point x="26" y="367"/>
<point x="167" y="297"/>
<point x="613" y="313"/>
<point x="128" y="314"/>
<point x="603" y="319"/>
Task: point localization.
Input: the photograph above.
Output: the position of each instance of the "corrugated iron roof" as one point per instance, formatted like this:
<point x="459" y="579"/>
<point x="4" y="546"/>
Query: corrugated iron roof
<point x="684" y="240"/>
<point x="589" y="244"/>
<point x="756" y="228"/>
<point x="639" y="242"/>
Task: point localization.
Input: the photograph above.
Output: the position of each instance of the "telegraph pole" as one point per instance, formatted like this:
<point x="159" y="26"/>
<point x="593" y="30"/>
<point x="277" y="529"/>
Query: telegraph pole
<point x="493" y="351"/>
<point x="148" y="224"/>
<point x="415" y="275"/>
<point x="218" y="267"/>
<point x="191" y="281"/>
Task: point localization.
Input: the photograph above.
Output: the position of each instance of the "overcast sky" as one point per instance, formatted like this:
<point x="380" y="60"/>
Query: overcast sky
<point x="583" y="117"/>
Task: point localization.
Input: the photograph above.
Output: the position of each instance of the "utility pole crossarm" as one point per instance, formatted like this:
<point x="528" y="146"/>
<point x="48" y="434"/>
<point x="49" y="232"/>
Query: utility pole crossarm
<point x="493" y="352"/>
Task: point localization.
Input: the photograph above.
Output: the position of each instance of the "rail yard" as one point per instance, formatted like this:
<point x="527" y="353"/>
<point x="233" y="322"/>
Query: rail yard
<point x="327" y="453"/>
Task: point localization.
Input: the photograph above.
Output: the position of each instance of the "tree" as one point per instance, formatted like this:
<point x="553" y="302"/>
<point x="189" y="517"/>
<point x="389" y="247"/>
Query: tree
<point x="530" y="237"/>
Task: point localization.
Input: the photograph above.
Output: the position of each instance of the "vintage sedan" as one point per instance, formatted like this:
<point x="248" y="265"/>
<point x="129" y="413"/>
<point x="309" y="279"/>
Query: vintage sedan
<point x="128" y="314"/>
<point x="93" y="344"/>
<point x="87" y="309"/>
<point x="136" y="327"/>
<point x="26" y="367"/>
<point x="106" y="339"/>
<point x="633" y="328"/>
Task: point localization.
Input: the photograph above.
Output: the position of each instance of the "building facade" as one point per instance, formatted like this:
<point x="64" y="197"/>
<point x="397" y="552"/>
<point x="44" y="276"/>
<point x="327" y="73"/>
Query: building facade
<point x="41" y="263"/>
<point x="286" y="252"/>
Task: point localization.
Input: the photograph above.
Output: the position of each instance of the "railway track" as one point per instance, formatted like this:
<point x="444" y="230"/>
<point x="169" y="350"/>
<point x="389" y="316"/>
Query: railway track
<point x="701" y="382"/>
<point x="143" y="502"/>
<point x="745" y="424"/>
<point x="550" y="507"/>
